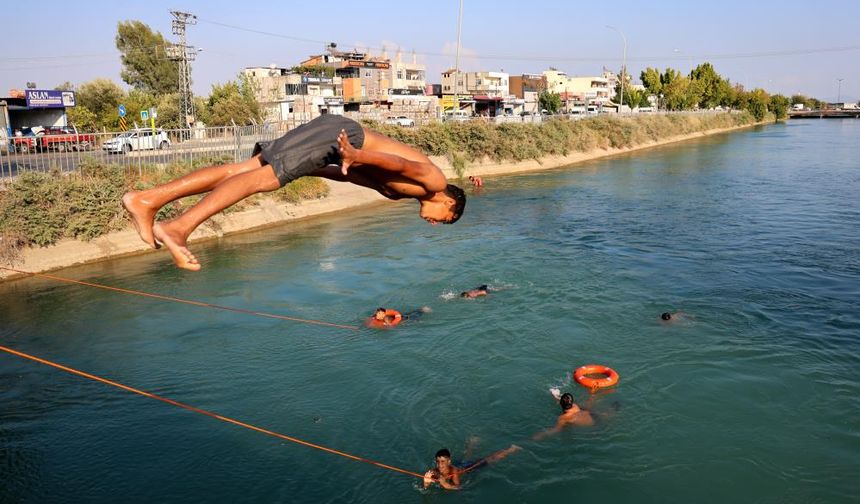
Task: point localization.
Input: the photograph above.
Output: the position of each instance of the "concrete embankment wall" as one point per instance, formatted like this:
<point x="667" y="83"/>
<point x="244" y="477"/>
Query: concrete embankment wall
<point x="270" y="213"/>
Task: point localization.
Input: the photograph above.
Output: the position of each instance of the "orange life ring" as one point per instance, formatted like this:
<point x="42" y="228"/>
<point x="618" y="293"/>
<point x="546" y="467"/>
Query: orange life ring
<point x="581" y="376"/>
<point x="395" y="315"/>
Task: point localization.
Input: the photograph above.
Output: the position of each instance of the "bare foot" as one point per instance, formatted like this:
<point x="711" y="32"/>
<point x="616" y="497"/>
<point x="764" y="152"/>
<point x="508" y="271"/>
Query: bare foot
<point x="175" y="243"/>
<point x="348" y="153"/>
<point x="142" y="216"/>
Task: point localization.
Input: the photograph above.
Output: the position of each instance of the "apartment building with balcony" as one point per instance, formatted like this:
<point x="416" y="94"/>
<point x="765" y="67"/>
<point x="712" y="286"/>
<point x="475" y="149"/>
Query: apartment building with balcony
<point x="364" y="78"/>
<point x="528" y="87"/>
<point x="487" y="91"/>
<point x="583" y="89"/>
<point x="407" y="77"/>
<point x="286" y="95"/>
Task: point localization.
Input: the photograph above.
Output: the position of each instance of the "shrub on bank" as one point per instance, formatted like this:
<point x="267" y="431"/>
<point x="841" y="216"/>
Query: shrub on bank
<point x="477" y="140"/>
<point x="41" y="208"/>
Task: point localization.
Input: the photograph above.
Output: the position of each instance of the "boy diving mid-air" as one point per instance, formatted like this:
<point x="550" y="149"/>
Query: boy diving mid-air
<point x="330" y="146"/>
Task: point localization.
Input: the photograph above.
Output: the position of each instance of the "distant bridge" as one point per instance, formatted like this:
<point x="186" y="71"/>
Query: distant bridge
<point x="825" y="114"/>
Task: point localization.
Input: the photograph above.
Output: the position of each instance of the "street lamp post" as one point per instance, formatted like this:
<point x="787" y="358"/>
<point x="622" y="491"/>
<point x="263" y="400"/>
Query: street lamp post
<point x="623" y="63"/>
<point x="839" y="92"/>
<point x="457" y="63"/>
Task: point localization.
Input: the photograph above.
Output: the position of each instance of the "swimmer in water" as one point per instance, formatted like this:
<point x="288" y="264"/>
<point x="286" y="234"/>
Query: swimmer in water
<point x="571" y="414"/>
<point x="381" y="318"/>
<point x="447" y="474"/>
<point x="668" y="317"/>
<point x="476" y="181"/>
<point x="476" y="292"/>
<point x="416" y="314"/>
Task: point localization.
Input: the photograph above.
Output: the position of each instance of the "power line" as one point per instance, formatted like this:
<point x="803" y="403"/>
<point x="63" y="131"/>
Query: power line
<point x="712" y="56"/>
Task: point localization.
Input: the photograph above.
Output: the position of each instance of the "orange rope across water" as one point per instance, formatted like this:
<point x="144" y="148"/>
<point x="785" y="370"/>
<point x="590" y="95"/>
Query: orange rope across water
<point x="208" y="413"/>
<point x="180" y="300"/>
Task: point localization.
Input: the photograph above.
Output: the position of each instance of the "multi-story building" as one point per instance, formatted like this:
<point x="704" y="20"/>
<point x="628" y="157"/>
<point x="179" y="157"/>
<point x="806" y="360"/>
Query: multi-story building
<point x="582" y="89"/>
<point x="487" y="90"/>
<point x="407" y="78"/>
<point x="528" y="88"/>
<point x="365" y="78"/>
<point x="287" y="95"/>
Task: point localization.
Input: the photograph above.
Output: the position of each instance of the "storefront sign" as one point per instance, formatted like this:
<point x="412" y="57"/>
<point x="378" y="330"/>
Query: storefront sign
<point x="368" y="64"/>
<point x="49" y="98"/>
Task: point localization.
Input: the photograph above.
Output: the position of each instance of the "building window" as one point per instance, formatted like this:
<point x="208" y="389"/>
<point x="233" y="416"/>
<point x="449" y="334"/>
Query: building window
<point x="296" y="89"/>
<point x="400" y="74"/>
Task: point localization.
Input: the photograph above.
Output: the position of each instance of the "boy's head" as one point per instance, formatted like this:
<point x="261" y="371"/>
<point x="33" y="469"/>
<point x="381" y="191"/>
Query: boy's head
<point x="447" y="210"/>
<point x="443" y="458"/>
<point x="566" y="401"/>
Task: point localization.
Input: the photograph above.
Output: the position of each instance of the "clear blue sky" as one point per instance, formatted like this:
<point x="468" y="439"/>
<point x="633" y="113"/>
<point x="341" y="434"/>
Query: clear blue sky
<point x="50" y="42"/>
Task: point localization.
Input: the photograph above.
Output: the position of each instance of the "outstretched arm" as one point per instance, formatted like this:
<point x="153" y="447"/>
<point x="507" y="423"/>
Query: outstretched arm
<point x="559" y="424"/>
<point x="421" y="172"/>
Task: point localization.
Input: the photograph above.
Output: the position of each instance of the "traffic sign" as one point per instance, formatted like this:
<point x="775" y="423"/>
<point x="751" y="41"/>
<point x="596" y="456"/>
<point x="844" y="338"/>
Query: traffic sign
<point x="144" y="115"/>
<point x="153" y="113"/>
<point x="122" y="110"/>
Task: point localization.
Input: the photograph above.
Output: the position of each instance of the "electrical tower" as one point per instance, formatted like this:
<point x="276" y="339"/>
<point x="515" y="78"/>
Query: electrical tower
<point x="184" y="54"/>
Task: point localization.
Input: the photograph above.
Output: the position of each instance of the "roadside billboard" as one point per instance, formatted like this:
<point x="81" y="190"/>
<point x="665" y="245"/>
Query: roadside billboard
<point x="49" y="98"/>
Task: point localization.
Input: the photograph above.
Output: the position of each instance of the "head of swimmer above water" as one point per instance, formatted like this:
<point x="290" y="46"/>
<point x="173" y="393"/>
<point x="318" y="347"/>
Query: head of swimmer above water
<point x="443" y="459"/>
<point x="566" y="401"/>
<point x="379" y="314"/>
<point x="446" y="207"/>
<point x="477" y="291"/>
<point x="666" y="316"/>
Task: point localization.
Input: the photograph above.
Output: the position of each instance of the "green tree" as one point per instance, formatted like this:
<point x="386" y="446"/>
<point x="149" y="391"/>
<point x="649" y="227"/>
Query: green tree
<point x="96" y="104"/>
<point x="714" y="89"/>
<point x="779" y="105"/>
<point x="757" y="103"/>
<point x="145" y="65"/>
<point x="549" y="101"/>
<point x="233" y="101"/>
<point x="632" y="97"/>
<point x="650" y="78"/>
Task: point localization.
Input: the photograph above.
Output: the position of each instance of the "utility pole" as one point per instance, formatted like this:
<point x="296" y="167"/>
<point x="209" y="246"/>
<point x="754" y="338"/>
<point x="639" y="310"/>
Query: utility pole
<point x="623" y="65"/>
<point x="184" y="54"/>
<point x="457" y="63"/>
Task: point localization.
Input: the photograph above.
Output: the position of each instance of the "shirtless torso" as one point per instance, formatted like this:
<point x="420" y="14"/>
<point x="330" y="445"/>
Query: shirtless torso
<point x="422" y="180"/>
<point x="576" y="417"/>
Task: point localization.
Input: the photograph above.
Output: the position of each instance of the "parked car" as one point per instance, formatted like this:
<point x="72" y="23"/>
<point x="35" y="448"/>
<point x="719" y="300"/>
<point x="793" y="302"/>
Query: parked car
<point x="65" y="138"/>
<point x="400" y="121"/>
<point x="137" y="139"/>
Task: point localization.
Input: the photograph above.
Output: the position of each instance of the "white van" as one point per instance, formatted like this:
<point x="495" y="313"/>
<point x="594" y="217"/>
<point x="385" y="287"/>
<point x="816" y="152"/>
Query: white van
<point x="137" y="139"/>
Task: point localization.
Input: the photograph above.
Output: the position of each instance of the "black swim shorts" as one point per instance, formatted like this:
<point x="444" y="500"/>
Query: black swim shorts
<point x="309" y="147"/>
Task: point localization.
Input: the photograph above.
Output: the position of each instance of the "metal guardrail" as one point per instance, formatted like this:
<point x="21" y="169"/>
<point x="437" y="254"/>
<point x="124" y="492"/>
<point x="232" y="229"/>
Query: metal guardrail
<point x="137" y="149"/>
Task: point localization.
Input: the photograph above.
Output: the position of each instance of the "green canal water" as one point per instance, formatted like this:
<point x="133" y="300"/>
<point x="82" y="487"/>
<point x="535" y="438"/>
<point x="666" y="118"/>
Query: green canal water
<point x="753" y="397"/>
